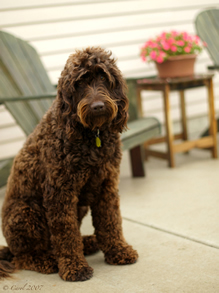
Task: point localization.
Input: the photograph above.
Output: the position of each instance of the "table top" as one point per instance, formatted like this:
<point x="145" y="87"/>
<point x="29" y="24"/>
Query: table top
<point x="179" y="83"/>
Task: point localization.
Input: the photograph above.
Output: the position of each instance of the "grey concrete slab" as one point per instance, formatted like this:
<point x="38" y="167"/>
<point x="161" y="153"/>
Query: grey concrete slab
<point x="166" y="264"/>
<point x="182" y="200"/>
<point x="175" y="203"/>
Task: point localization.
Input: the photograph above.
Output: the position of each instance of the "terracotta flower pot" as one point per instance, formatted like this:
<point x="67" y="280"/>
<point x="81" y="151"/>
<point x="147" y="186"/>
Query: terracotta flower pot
<point x="177" y="66"/>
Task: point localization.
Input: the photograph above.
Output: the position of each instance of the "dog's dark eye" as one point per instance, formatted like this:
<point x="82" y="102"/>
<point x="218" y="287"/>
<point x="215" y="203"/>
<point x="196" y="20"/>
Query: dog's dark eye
<point x="79" y="82"/>
<point x="102" y="78"/>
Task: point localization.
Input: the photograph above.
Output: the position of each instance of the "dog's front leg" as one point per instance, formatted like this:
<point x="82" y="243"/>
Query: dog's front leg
<point x="66" y="240"/>
<point x="108" y="226"/>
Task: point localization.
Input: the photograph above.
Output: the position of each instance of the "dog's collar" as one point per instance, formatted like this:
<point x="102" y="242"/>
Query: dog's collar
<point x="98" y="141"/>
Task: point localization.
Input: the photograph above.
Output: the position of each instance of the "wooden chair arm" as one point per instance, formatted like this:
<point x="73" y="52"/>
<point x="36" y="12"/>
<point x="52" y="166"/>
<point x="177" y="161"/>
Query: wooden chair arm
<point x="27" y="98"/>
<point x="213" y="67"/>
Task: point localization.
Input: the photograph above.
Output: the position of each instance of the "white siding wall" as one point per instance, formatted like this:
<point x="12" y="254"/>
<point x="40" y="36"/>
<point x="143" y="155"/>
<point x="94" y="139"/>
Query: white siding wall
<point x="56" y="28"/>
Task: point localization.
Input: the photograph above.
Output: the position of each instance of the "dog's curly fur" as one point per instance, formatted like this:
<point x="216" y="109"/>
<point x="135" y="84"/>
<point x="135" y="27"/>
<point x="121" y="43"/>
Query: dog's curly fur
<point x="60" y="172"/>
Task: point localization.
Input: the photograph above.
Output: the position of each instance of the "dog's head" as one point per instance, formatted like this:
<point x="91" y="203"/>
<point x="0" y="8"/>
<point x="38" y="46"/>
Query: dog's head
<point x="91" y="91"/>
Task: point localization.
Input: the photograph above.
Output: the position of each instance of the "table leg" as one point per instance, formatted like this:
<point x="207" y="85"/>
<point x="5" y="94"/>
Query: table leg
<point x="183" y="115"/>
<point x="139" y="103"/>
<point x="212" y="119"/>
<point x="169" y="133"/>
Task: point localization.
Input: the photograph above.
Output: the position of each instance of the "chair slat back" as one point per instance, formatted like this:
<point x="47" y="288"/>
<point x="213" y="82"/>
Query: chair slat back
<point x="132" y="96"/>
<point x="23" y="74"/>
<point x="207" y="26"/>
<point x="21" y="111"/>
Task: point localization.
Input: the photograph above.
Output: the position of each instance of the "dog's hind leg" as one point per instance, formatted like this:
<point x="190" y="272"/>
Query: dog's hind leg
<point x="90" y="244"/>
<point x="42" y="262"/>
<point x="27" y="234"/>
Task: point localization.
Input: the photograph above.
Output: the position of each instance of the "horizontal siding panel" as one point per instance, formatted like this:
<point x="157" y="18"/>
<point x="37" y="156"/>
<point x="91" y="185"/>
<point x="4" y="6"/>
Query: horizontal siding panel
<point x="85" y="27"/>
<point x="75" y="12"/>
<point x="9" y="150"/>
<point x="11" y="133"/>
<point x="122" y="53"/>
<point x="24" y="4"/>
<point x="2" y="109"/>
<point x="12" y="136"/>
<point x="105" y="40"/>
<point x="50" y="14"/>
<point x="5" y="118"/>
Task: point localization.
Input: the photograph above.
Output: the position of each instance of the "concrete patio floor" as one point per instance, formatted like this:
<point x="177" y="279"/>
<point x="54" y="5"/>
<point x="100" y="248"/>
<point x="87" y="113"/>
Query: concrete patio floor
<point x="171" y="217"/>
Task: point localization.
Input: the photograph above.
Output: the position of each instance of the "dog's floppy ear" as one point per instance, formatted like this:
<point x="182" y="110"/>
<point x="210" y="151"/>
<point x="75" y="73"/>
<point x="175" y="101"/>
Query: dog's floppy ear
<point x="65" y="91"/>
<point x="66" y="107"/>
<point x="120" y="91"/>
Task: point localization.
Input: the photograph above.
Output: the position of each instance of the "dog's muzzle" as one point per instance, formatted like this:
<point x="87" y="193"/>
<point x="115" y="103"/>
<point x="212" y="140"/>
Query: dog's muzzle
<point x="96" y="108"/>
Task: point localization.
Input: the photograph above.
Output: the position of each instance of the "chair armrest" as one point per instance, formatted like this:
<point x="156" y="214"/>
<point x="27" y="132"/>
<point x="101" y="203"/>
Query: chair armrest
<point x="28" y="98"/>
<point x="213" y="67"/>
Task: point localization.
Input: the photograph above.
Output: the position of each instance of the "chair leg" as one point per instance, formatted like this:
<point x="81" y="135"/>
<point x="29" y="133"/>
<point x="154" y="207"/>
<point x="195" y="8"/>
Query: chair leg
<point x="137" y="162"/>
<point x="169" y="132"/>
<point x="212" y="119"/>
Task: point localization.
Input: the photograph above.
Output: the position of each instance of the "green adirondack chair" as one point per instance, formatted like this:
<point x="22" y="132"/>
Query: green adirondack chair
<point x="207" y="27"/>
<point x="23" y="74"/>
<point x="27" y="92"/>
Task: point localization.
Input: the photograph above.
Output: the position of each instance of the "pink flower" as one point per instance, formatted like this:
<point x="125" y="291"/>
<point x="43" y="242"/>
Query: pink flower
<point x="205" y="44"/>
<point x="168" y="44"/>
<point x="165" y="45"/>
<point x="159" y="59"/>
<point x="153" y="55"/>
<point x="170" y="41"/>
<point x="174" y="33"/>
<point x="185" y="36"/>
<point x="151" y="44"/>
<point x="180" y="43"/>
<point x="163" y="35"/>
<point x="173" y="48"/>
<point x="187" y="49"/>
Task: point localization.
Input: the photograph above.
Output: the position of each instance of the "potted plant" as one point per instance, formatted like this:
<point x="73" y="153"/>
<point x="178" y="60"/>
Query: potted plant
<point x="174" y="53"/>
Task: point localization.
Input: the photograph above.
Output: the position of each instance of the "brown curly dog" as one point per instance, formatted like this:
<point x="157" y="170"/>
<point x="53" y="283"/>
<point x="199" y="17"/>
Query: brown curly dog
<point x="69" y="163"/>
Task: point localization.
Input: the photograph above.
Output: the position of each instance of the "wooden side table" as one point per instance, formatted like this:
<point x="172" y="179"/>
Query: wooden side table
<point x="180" y="85"/>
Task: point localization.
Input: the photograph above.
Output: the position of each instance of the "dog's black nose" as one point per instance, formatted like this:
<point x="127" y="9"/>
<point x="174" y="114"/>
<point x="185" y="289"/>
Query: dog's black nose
<point x="97" y="106"/>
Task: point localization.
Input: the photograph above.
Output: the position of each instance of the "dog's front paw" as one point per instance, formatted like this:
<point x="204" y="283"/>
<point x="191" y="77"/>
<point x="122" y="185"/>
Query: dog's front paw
<point x="74" y="270"/>
<point x="121" y="255"/>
